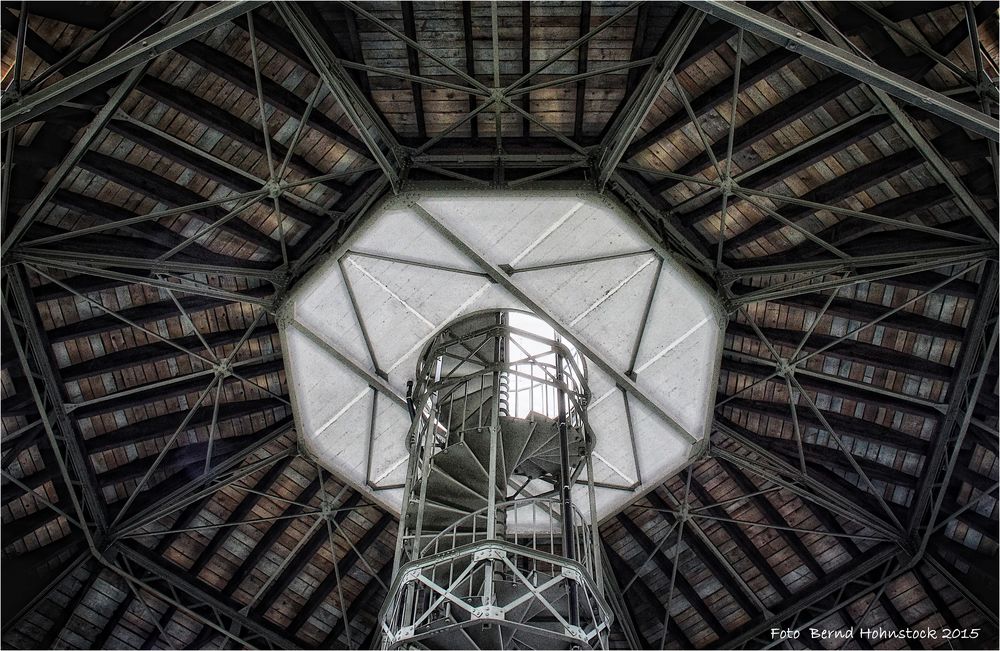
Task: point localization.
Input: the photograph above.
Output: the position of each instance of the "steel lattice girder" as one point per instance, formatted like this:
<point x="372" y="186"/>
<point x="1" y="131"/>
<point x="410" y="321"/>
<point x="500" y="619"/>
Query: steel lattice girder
<point x="373" y="131"/>
<point x="135" y="55"/>
<point x="34" y="348"/>
<point x="978" y="352"/>
<point x="859" y="68"/>
<point x="174" y="587"/>
<point x="620" y="134"/>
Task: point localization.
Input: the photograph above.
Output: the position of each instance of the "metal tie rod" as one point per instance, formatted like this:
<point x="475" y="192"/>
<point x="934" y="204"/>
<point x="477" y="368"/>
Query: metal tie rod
<point x="30" y="107"/>
<point x="850" y="64"/>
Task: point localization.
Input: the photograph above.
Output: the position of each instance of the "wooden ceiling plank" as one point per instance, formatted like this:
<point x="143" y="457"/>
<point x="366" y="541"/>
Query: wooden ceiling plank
<point x="742" y="541"/>
<point x="344" y="565"/>
<point x="858" y="427"/>
<point x="853" y="351"/>
<point x="157" y="351"/>
<point x="667" y="567"/>
<point x="302" y="558"/>
<point x="413" y="63"/>
<point x="159" y="391"/>
<point x="849" y="184"/>
<point x="370" y="592"/>
<point x="143" y="181"/>
<point x="162" y="426"/>
<point x="239" y="514"/>
<point x="146" y="313"/>
<point x="701" y="550"/>
<point x="274" y="532"/>
<point x="773" y="516"/>
<point x="645" y="597"/>
<point x="240" y="75"/>
<point x="182" y="100"/>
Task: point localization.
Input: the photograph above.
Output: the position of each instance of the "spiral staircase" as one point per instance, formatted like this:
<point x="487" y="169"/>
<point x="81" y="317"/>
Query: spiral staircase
<point x="481" y="562"/>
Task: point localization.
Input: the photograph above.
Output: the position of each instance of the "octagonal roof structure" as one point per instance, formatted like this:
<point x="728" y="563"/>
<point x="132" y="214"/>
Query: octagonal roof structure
<point x="650" y="330"/>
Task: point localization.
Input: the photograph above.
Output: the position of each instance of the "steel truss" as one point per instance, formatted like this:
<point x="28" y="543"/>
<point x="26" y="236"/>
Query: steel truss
<point x="608" y="160"/>
<point x="73" y="470"/>
<point x="65" y="90"/>
<point x="836" y="58"/>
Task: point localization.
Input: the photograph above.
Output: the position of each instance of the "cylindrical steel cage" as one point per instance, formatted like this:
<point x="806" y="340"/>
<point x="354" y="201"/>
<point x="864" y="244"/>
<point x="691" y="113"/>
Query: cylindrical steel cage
<point x="492" y="550"/>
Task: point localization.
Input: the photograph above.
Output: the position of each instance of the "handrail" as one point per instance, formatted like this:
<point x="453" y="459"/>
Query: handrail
<point x="469" y="549"/>
<point x="452" y="529"/>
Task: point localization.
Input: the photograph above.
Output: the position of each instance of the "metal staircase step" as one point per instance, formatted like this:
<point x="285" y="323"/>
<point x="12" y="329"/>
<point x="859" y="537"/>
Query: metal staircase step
<point x="516" y="434"/>
<point x="446" y="489"/>
<point x="477" y="412"/>
<point x="478" y="441"/>
<point x="461" y="463"/>
<point x="438" y="517"/>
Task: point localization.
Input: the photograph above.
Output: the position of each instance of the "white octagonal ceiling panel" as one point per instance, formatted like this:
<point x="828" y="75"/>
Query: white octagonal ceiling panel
<point x="650" y="330"/>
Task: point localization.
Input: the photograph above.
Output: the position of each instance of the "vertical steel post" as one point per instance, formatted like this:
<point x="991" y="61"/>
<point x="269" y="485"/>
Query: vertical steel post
<point x="565" y="485"/>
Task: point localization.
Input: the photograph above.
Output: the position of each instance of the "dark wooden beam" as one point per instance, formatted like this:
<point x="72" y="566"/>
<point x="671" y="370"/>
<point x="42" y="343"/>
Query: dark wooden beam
<point x="846" y="233"/>
<point x="152" y="231"/>
<point x="174" y="195"/>
<point x="826" y="457"/>
<point x="681" y="583"/>
<point x="764" y="124"/>
<point x="274" y="532"/>
<point x="66" y="12"/>
<point x="189" y="460"/>
<point x="851" y="622"/>
<point x="742" y="540"/>
<point x="182" y="521"/>
<point x="749" y="75"/>
<point x="646" y="597"/>
<point x="154" y="393"/>
<point x="581" y="67"/>
<point x="204" y="165"/>
<point x="302" y="557"/>
<point x="344" y="565"/>
<point x="821" y="465"/>
<point x="867" y="398"/>
<point x="226" y="454"/>
<point x="144" y="314"/>
<point x="850" y="350"/>
<point x="896" y="618"/>
<point x="34" y="481"/>
<point x="470" y="61"/>
<point x="239" y="514"/>
<point x="372" y="590"/>
<point x="116" y="617"/>
<point x="773" y="516"/>
<point x="413" y="62"/>
<point x="951" y="145"/>
<point x="242" y="76"/>
<point x="157" y="426"/>
<point x="935" y="596"/>
<point x="230" y="125"/>
<point x="863" y="311"/>
<point x="708" y="558"/>
<point x="158" y="351"/>
<point x="26" y="525"/>
<point x="809" y="99"/>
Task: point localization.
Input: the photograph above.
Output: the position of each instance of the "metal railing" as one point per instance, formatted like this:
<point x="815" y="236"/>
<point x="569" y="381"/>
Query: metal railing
<point x="462" y="586"/>
<point x="517" y="400"/>
<point x="530" y="531"/>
